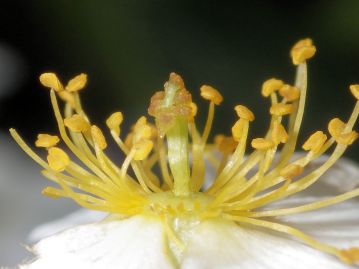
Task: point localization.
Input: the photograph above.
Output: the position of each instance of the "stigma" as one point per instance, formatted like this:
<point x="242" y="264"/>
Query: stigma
<point x="169" y="140"/>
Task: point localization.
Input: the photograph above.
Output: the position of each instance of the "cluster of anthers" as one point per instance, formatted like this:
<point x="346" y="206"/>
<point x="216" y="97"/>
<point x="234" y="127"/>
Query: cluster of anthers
<point x="173" y="145"/>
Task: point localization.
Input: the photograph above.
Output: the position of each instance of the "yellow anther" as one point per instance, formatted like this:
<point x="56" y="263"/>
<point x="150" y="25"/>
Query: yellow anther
<point x="289" y="92"/>
<point x="270" y="86"/>
<point x="143" y="148"/>
<point x="194" y="109"/>
<point x="347" y="138"/>
<point x="262" y="144"/>
<point x="50" y="80"/>
<point x="291" y="171"/>
<point x="281" y="109"/>
<point x="57" y="159"/>
<point x="211" y="94"/>
<point x="315" y="142"/>
<point x="225" y="144"/>
<point x="77" y="83"/>
<point x="350" y="255"/>
<point x="302" y="51"/>
<point x="77" y="123"/>
<point x="279" y="134"/>
<point x="355" y="90"/>
<point x="51" y="192"/>
<point x="98" y="137"/>
<point x="237" y="129"/>
<point x="67" y="97"/>
<point x="46" y="141"/>
<point x="244" y="113"/>
<point x="114" y="121"/>
<point x="141" y="130"/>
<point x="336" y="127"/>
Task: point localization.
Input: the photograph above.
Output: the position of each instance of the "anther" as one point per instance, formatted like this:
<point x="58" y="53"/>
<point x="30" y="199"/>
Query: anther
<point x="114" y="121"/>
<point x="51" y="192"/>
<point x="281" y="109"/>
<point x="279" y="134"/>
<point x="347" y="138"/>
<point x="270" y="86"/>
<point x="46" y="141"/>
<point x="237" y="129"/>
<point x="315" y="142"/>
<point x="211" y="94"/>
<point x="289" y="92"/>
<point x="225" y="144"/>
<point x="194" y="109"/>
<point x="244" y="113"/>
<point x="302" y="51"/>
<point x="262" y="144"/>
<point x="67" y="97"/>
<point x="77" y="123"/>
<point x="336" y="127"/>
<point x="355" y="90"/>
<point x="143" y="149"/>
<point x="50" y="80"/>
<point x="291" y="171"/>
<point x="57" y="159"/>
<point x="350" y="255"/>
<point x="77" y="83"/>
<point x="98" y="137"/>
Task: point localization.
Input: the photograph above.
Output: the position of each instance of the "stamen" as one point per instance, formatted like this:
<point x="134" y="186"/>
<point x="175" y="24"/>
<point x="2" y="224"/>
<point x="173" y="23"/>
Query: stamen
<point x="281" y="109"/>
<point x="315" y="142"/>
<point x="270" y="86"/>
<point x="244" y="113"/>
<point x="355" y="90"/>
<point x="290" y="93"/>
<point x="114" y="121"/>
<point x="211" y="94"/>
<point x="46" y="141"/>
<point x="57" y="159"/>
<point x="50" y="80"/>
<point x="279" y="134"/>
<point x="77" y="83"/>
<point x="98" y="137"/>
<point x="302" y="51"/>
<point x="77" y="123"/>
<point x="262" y="144"/>
<point x="291" y="171"/>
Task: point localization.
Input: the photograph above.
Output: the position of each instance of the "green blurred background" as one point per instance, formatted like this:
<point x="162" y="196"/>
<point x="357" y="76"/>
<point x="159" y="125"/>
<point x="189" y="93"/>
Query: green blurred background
<point x="129" y="47"/>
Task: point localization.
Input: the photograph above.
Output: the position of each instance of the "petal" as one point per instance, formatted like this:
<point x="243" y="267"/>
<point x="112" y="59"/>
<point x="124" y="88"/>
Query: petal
<point x="79" y="217"/>
<point x="342" y="176"/>
<point x="219" y="244"/>
<point x="337" y="225"/>
<point x="136" y="242"/>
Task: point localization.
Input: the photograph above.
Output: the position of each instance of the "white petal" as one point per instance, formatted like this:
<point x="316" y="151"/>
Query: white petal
<point x="79" y="217"/>
<point x="342" y="176"/>
<point x="137" y="242"/>
<point x="217" y="245"/>
<point x="337" y="224"/>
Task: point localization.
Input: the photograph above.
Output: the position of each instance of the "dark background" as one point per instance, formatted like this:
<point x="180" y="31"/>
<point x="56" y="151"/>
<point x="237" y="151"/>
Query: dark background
<point x="129" y="47"/>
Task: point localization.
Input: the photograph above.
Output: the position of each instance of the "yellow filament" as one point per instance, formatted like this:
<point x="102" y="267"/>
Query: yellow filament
<point x="287" y="230"/>
<point x="308" y="207"/>
<point x="208" y="126"/>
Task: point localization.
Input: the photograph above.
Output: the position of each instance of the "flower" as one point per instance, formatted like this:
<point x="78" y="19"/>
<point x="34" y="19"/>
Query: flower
<point x="173" y="220"/>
